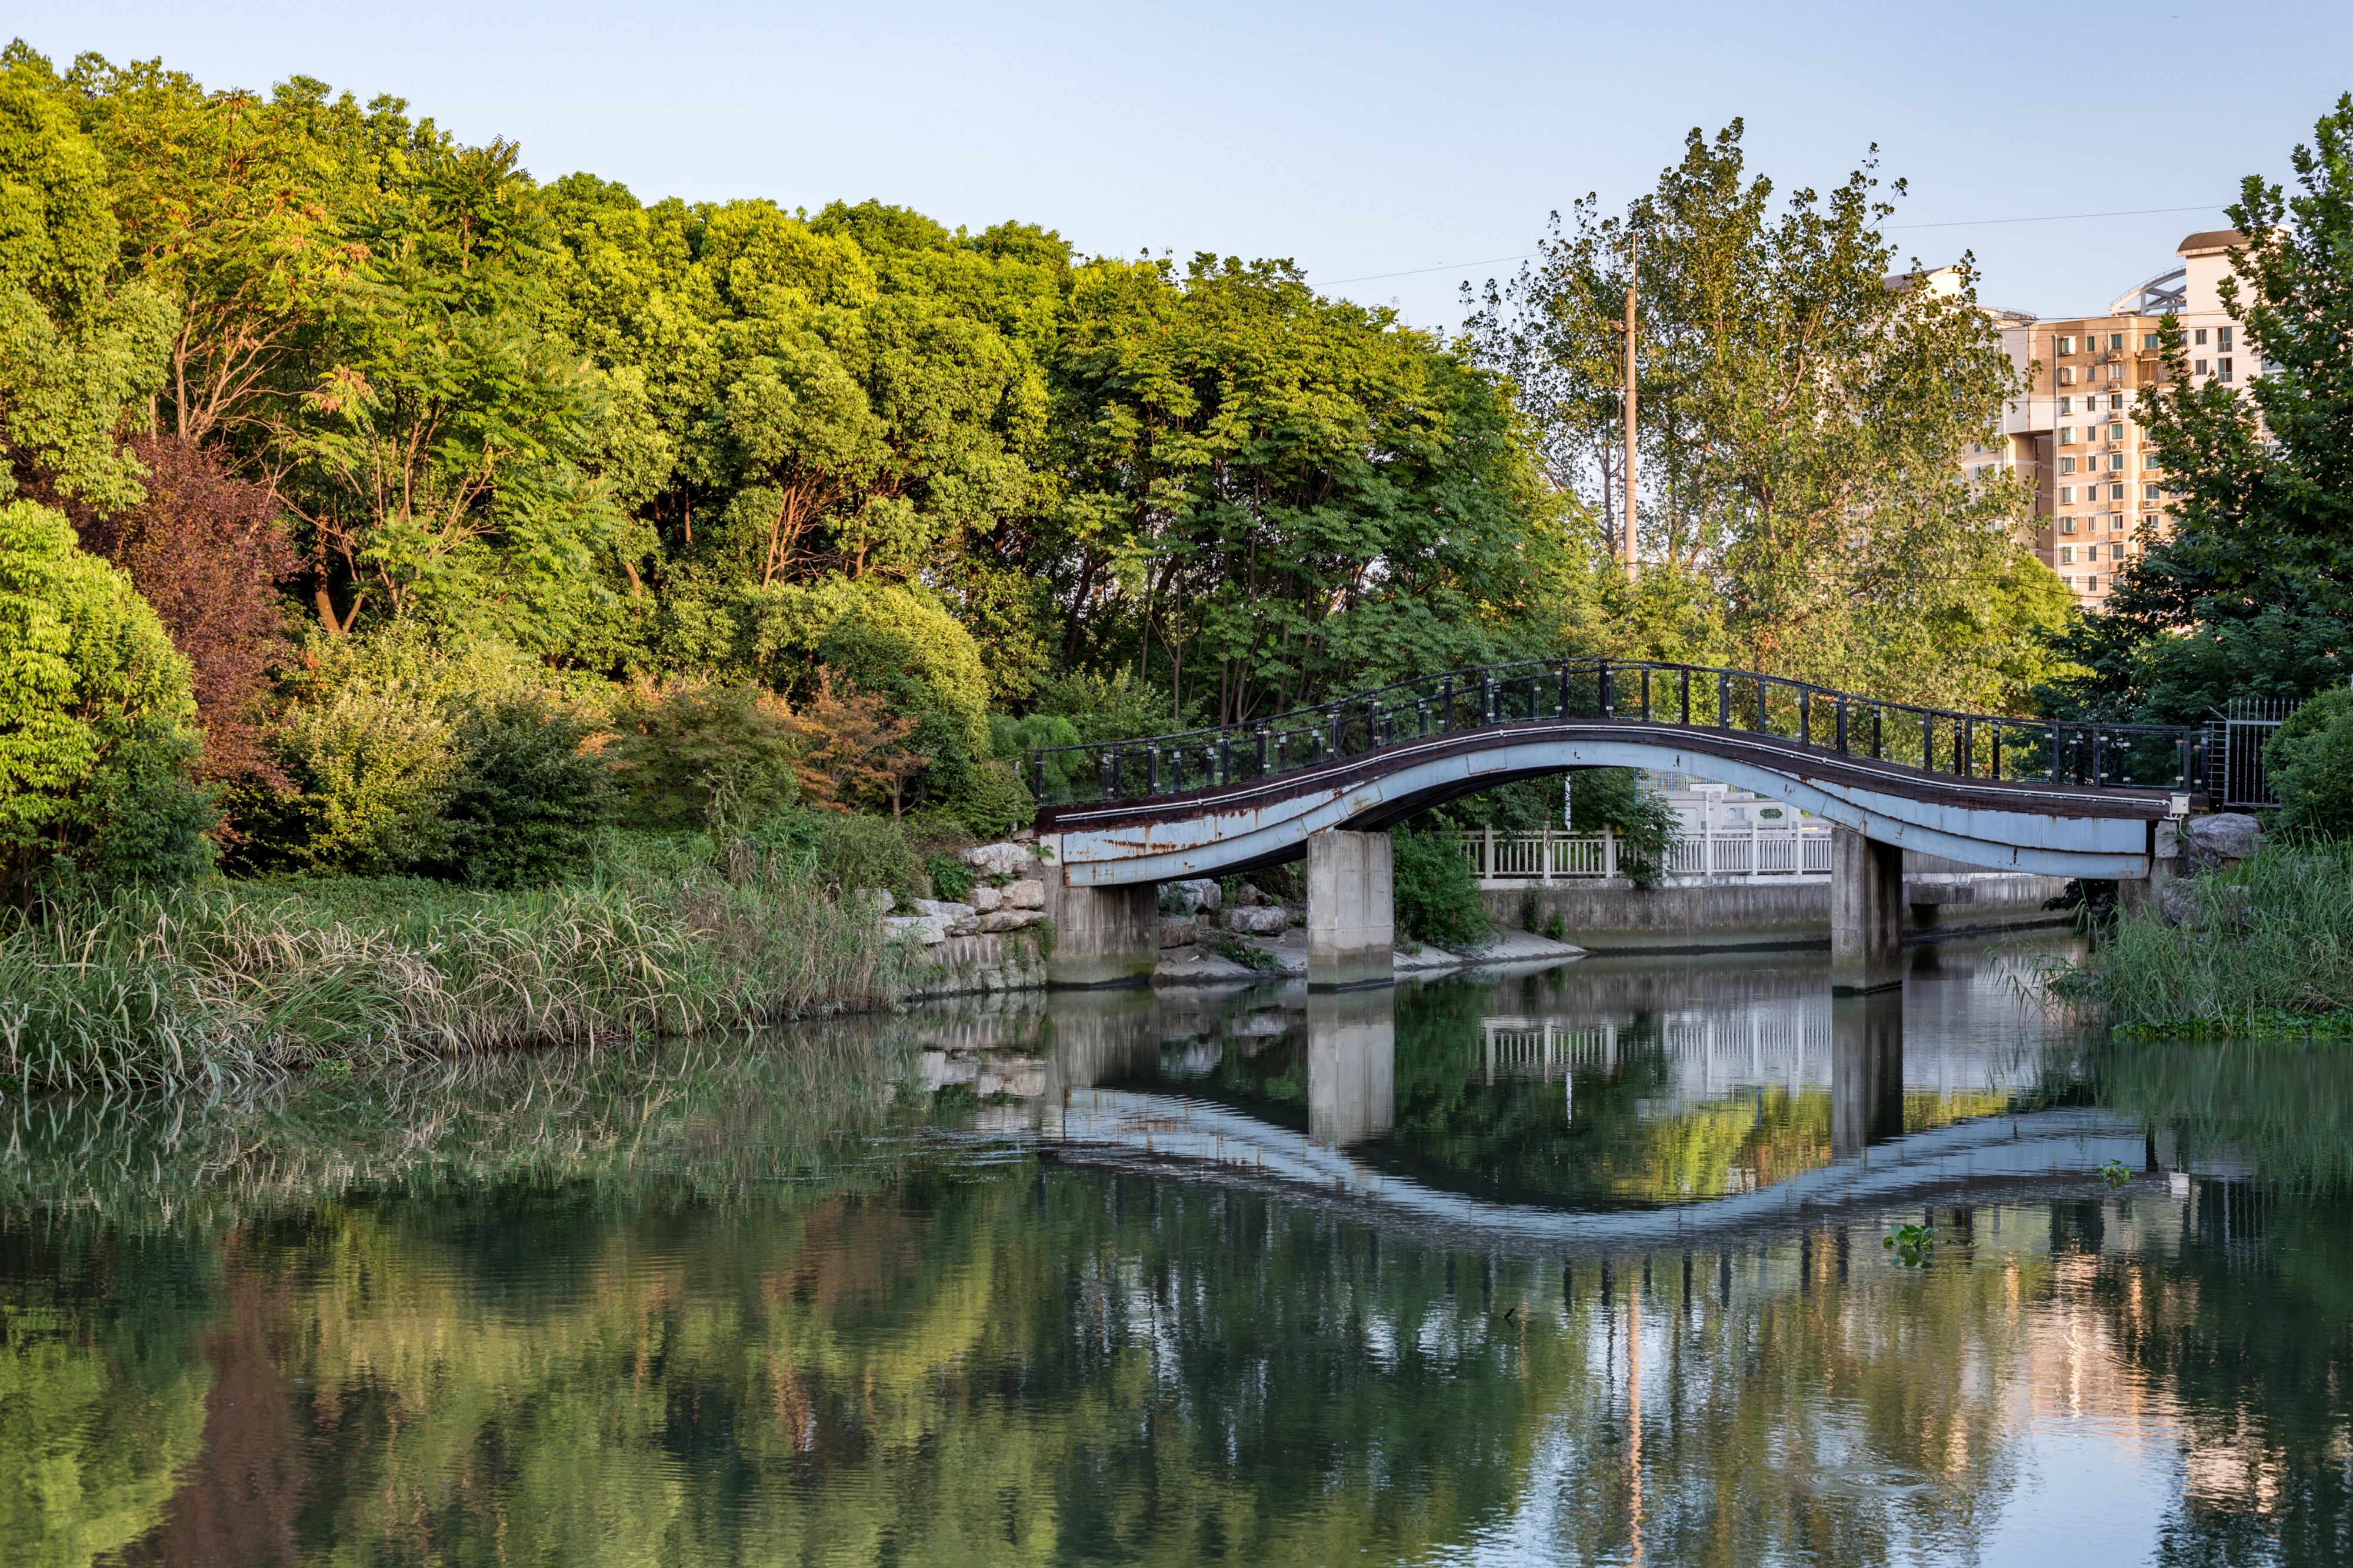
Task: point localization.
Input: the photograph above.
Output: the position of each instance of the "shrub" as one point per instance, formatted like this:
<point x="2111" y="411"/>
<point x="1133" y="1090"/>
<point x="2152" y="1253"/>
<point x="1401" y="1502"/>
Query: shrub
<point x="697" y="755"/>
<point x="951" y="879"/>
<point x="2311" y="764"/>
<point x="1437" y="898"/>
<point x="1219" y="943"/>
<point x="526" y="801"/>
<point x="370" y="765"/>
<point x="97" y="737"/>
<point x="1647" y="828"/>
<point x="996" y="802"/>
<point x="845" y="852"/>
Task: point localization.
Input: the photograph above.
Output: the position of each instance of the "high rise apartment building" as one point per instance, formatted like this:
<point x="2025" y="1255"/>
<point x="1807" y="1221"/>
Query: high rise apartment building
<point x="2099" y="497"/>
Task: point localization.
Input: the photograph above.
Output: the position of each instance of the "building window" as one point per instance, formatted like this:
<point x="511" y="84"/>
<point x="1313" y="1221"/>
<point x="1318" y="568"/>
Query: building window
<point x="2067" y="406"/>
<point x="2066" y="465"/>
<point x="2115" y="342"/>
<point x="2116" y="399"/>
<point x="2222" y="338"/>
<point x="2066" y="555"/>
<point x="2148" y="492"/>
<point x="2066" y="525"/>
<point x="2115" y="431"/>
<point x="2067" y="346"/>
<point x="2222" y="370"/>
<point x="2066" y="495"/>
<point x="2115" y="492"/>
<point x="2198" y="367"/>
<point x="2066" y="376"/>
<point x="2115" y="373"/>
<point x="2116" y="461"/>
<point x="2149" y="460"/>
<point x="2200" y="338"/>
<point x="2091" y="584"/>
<point x="2147" y="340"/>
<point x="2066" y="435"/>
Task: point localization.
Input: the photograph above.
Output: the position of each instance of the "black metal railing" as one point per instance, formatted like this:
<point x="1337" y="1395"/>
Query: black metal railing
<point x="1926" y="740"/>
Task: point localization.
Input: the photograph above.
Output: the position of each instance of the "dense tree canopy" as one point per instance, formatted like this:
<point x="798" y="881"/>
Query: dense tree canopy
<point x="312" y="371"/>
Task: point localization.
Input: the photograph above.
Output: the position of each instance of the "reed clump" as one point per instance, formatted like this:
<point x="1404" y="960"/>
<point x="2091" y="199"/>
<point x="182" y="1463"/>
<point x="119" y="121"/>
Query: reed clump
<point x="238" y="979"/>
<point x="2262" y="948"/>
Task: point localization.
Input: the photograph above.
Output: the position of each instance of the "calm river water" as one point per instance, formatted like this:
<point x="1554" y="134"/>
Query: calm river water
<point x="1585" y="1266"/>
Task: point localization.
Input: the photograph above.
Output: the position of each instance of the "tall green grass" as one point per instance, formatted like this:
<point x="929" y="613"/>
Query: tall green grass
<point x="2268" y="950"/>
<point x="237" y="979"/>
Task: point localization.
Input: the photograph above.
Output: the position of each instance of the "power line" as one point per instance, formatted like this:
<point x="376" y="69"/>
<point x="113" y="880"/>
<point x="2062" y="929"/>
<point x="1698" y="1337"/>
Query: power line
<point x="1957" y="223"/>
<point x="2053" y="218"/>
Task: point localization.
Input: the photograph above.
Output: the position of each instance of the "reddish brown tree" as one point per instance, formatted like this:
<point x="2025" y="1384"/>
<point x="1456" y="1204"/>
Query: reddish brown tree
<point x="208" y="551"/>
<point x="852" y="746"/>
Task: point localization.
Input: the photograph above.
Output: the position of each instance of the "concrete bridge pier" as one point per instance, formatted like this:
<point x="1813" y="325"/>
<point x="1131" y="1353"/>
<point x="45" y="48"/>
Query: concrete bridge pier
<point x="1351" y="918"/>
<point x="1866" y="1072"/>
<point x="1103" y="936"/>
<point x="1866" y="914"/>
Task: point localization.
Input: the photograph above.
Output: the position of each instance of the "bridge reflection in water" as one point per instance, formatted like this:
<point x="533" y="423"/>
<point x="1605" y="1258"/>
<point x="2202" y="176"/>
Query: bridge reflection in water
<point x="1626" y="1100"/>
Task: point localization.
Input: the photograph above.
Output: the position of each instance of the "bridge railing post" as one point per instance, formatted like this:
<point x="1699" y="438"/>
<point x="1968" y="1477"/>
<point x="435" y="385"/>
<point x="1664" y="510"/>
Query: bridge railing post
<point x="1564" y="691"/>
<point x="1486" y="699"/>
<point x="1037" y="775"/>
<point x="1841" y="724"/>
<point x="1372" y="722"/>
<point x="1609" y="693"/>
<point x="1111" y="773"/>
<point x="1723" y="700"/>
<point x="1446" y="705"/>
<point x="1805" y="715"/>
<point x="1685" y="682"/>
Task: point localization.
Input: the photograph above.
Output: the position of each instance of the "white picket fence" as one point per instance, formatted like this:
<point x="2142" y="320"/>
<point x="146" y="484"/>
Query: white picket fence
<point x="1798" y="854"/>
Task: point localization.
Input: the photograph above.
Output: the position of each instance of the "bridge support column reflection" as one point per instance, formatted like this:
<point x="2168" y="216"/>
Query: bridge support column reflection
<point x="1351" y="1065"/>
<point x="1866" y="1070"/>
<point x="1099" y="1037"/>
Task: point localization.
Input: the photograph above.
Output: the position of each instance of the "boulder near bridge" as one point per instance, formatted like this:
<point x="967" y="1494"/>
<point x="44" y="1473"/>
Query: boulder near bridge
<point x="2067" y="799"/>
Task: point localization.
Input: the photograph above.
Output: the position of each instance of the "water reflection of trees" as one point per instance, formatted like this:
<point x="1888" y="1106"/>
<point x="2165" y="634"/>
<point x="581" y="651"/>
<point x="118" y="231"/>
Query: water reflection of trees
<point x="599" y="1313"/>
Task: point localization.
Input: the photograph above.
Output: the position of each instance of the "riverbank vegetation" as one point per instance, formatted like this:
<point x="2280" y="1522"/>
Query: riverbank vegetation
<point x="158" y="986"/>
<point x="2262" y="948"/>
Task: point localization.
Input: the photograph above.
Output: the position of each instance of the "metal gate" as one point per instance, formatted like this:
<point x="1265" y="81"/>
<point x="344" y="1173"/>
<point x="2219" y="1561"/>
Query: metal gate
<point x="2235" y="776"/>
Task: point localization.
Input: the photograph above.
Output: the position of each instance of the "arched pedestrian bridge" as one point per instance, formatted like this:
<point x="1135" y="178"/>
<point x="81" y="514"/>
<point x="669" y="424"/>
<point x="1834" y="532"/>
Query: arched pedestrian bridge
<point x="2018" y="795"/>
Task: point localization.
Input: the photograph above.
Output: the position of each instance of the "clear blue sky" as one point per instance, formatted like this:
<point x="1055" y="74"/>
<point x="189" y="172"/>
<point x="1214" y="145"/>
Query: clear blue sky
<point x="1358" y="140"/>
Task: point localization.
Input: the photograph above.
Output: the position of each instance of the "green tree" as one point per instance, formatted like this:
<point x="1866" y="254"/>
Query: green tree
<point x="1276" y="495"/>
<point x="2310" y="760"/>
<point x="1800" y="406"/>
<point x="97" y="738"/>
<point x="77" y="346"/>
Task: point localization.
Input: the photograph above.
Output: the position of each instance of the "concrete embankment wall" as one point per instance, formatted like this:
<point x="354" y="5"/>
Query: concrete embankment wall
<point x="1941" y="898"/>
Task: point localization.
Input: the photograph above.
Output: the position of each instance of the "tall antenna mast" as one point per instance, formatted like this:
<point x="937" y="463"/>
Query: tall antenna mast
<point x="1633" y="258"/>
